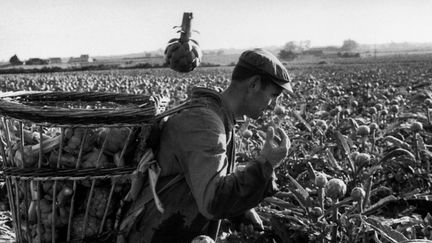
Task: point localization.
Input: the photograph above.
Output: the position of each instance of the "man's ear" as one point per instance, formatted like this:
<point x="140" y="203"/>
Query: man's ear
<point x="255" y="83"/>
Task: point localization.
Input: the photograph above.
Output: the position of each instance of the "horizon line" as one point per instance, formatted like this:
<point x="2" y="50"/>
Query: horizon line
<point x="226" y="48"/>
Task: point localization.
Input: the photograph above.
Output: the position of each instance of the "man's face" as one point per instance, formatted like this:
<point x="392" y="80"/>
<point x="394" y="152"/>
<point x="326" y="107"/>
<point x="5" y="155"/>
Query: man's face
<point x="262" y="99"/>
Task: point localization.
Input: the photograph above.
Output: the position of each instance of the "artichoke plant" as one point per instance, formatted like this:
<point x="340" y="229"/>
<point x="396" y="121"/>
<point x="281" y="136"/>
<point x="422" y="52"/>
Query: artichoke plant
<point x="183" y="54"/>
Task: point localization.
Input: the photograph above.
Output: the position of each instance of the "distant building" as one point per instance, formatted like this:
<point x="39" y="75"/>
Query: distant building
<point x="314" y="52"/>
<point x="54" y="60"/>
<point x="81" y="59"/>
<point x="36" y="61"/>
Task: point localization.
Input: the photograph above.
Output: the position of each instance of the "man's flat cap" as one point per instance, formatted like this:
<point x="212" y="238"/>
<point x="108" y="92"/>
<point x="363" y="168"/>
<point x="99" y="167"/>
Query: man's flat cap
<point x="265" y="63"/>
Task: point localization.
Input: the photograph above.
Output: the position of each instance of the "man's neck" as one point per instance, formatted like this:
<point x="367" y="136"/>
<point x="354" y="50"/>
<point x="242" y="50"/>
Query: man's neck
<point x="232" y="99"/>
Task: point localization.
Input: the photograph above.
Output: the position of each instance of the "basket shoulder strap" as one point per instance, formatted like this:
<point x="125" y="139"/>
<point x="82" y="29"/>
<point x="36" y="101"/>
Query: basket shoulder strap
<point x="185" y="105"/>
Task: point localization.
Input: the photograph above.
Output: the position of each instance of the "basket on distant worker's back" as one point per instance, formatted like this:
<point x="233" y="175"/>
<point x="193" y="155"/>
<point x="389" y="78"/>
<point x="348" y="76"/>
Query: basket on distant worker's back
<point x="67" y="158"/>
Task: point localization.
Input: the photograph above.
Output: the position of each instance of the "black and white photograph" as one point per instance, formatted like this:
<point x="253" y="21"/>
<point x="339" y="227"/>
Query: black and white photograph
<point x="280" y="121"/>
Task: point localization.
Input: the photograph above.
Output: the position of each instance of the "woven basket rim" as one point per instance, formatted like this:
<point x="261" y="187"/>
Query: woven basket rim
<point x="140" y="109"/>
<point x="74" y="95"/>
<point x="44" y="174"/>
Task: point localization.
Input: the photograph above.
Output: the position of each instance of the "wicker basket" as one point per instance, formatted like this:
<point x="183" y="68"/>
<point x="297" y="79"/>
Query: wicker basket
<point x="67" y="158"/>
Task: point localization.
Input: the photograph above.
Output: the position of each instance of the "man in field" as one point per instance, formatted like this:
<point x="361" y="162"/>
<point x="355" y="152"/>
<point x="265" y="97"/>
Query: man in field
<point x="198" y="185"/>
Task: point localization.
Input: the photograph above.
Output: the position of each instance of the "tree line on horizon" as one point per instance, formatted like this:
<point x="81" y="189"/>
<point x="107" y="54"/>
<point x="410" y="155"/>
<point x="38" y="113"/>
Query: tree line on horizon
<point x="292" y="49"/>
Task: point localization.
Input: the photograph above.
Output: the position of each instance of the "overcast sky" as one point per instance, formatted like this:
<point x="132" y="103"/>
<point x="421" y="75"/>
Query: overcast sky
<point x="65" y="28"/>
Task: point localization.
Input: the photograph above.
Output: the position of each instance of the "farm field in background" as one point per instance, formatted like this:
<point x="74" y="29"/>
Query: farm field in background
<point x="359" y="164"/>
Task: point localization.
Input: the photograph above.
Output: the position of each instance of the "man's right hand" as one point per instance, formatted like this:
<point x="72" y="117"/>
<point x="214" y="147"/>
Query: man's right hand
<point x="275" y="148"/>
